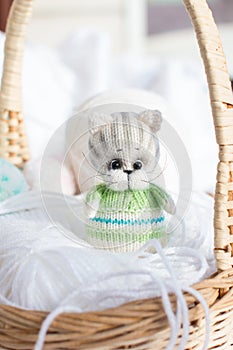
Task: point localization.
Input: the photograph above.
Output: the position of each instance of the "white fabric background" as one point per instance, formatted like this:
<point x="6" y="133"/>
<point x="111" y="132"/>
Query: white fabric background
<point x="55" y="81"/>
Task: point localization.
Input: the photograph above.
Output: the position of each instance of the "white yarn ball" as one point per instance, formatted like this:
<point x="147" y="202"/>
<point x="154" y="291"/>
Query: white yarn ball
<point x="40" y="266"/>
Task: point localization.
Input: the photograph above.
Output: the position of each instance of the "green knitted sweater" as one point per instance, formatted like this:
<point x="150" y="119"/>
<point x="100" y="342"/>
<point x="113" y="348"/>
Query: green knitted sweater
<point x="126" y="219"/>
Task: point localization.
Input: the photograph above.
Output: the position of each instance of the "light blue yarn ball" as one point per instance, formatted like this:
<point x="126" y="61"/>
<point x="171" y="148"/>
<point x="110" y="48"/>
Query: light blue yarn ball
<point x="12" y="181"/>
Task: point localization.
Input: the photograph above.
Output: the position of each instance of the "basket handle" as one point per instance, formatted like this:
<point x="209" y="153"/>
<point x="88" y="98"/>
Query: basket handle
<point x="13" y="140"/>
<point x="221" y="98"/>
<point x="13" y="144"/>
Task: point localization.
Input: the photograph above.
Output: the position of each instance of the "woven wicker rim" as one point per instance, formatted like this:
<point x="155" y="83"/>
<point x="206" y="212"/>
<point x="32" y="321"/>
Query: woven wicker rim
<point x="141" y="324"/>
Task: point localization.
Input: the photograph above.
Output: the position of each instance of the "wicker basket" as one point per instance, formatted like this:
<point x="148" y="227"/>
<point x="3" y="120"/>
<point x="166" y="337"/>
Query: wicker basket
<point x="141" y="324"/>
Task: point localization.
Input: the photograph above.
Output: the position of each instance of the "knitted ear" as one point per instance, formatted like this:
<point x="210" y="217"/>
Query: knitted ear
<point x="97" y="120"/>
<point x="152" y="118"/>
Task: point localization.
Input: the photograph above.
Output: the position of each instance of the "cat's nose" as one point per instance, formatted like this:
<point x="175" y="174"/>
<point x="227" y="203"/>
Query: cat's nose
<point x="128" y="171"/>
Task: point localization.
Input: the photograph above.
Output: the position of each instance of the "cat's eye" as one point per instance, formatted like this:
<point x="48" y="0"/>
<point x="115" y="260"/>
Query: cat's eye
<point x="137" y="165"/>
<point x="115" y="164"/>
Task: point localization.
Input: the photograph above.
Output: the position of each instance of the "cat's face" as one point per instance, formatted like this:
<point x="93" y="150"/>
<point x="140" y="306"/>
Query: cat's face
<point x="124" y="149"/>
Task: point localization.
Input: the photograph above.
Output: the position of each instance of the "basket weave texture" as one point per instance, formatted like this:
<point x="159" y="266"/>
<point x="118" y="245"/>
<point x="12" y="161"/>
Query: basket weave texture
<point x="141" y="324"/>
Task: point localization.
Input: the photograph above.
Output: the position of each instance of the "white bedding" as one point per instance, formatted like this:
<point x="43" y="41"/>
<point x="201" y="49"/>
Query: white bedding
<point x="58" y="80"/>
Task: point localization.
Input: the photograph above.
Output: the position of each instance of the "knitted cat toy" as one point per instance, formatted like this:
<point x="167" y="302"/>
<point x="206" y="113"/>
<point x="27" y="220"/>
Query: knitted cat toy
<point x="127" y="209"/>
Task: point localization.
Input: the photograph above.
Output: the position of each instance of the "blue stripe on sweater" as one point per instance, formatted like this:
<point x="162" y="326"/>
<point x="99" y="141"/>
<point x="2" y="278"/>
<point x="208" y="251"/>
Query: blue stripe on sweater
<point x="128" y="222"/>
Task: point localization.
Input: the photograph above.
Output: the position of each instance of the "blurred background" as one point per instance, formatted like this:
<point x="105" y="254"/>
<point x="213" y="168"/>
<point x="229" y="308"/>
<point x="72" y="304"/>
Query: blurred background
<point x="76" y="49"/>
<point x="131" y="24"/>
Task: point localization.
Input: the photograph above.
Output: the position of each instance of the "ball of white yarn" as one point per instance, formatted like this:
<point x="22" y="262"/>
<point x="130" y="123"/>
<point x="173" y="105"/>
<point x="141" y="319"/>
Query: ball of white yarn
<point x="40" y="266"/>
